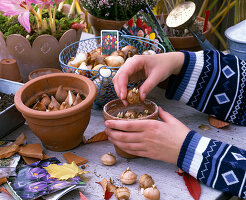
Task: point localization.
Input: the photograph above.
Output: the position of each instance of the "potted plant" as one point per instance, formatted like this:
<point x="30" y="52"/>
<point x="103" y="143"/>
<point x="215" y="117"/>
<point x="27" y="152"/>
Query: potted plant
<point x="34" y="32"/>
<point x="111" y="14"/>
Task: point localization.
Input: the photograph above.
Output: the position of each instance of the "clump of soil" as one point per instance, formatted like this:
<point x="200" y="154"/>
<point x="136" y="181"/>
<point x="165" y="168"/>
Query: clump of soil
<point x="6" y="100"/>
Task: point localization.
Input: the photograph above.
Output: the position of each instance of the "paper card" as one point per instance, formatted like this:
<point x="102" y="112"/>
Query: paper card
<point x="145" y="24"/>
<point x="33" y="181"/>
<point x="109" y="41"/>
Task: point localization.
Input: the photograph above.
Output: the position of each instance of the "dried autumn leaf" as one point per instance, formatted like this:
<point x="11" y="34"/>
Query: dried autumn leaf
<point x="34" y="150"/>
<point x="7" y="151"/>
<point x="29" y="161"/>
<point x="65" y="171"/>
<point x="192" y="185"/>
<point x="70" y="157"/>
<point x="3" y="180"/>
<point x="98" y="137"/>
<point x="20" y="139"/>
<point x="82" y="197"/>
<point x="217" y="123"/>
<point x="105" y="185"/>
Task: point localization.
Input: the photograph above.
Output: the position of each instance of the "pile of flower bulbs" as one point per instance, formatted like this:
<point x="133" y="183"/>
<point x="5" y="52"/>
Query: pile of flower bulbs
<point x="62" y="99"/>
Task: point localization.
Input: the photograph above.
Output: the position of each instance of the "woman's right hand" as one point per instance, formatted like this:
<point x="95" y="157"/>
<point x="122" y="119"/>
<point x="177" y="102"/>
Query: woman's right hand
<point x="153" y="68"/>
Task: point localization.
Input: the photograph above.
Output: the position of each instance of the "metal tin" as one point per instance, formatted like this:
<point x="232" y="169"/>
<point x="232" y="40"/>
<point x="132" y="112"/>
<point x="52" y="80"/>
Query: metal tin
<point x="236" y="39"/>
<point x="10" y="118"/>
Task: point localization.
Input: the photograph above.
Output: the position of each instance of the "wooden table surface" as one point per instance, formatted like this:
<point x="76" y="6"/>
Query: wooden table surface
<point x="168" y="182"/>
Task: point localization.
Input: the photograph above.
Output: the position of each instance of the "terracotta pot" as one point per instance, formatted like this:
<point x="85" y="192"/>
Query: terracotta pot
<point x="10" y="70"/>
<point x="99" y="24"/>
<point x="43" y="71"/>
<point x="63" y="129"/>
<point x="43" y="52"/>
<point x="112" y="108"/>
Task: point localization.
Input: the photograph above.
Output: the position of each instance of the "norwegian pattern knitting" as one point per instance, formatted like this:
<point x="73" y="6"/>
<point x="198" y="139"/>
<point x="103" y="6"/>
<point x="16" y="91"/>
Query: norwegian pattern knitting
<point x="214" y="83"/>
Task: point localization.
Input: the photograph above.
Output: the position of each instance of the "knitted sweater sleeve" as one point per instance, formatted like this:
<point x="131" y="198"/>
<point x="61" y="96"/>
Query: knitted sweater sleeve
<point x="214" y="83"/>
<point x="219" y="165"/>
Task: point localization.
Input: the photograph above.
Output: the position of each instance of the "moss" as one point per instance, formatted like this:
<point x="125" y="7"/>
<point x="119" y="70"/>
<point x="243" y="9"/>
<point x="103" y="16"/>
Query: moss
<point x="11" y="25"/>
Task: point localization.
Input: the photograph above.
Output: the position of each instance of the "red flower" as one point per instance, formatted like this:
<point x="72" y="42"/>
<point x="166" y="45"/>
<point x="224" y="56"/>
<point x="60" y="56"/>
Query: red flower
<point x="147" y="30"/>
<point x="112" y="46"/>
<point x="131" y="32"/>
<point x="130" y="23"/>
<point x="144" y="26"/>
<point x="139" y="23"/>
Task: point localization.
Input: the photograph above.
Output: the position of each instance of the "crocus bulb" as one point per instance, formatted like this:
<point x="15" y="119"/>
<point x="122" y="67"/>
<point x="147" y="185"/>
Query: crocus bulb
<point x="146" y="181"/>
<point x="108" y="159"/>
<point x="77" y="100"/>
<point x="151" y="193"/>
<point x="64" y="105"/>
<point x="122" y="193"/>
<point x="70" y="98"/>
<point x="45" y="99"/>
<point x="61" y="94"/>
<point x="128" y="177"/>
<point x="39" y="106"/>
<point x="54" y="104"/>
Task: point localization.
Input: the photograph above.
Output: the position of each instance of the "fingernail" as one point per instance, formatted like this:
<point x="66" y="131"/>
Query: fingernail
<point x="106" y="123"/>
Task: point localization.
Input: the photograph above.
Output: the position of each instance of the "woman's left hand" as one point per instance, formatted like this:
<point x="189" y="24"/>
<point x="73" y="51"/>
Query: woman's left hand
<point x="159" y="140"/>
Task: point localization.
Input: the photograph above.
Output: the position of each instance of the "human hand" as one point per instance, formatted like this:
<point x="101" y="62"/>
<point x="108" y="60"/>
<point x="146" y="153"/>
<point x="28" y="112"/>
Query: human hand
<point x="159" y="140"/>
<point x="155" y="68"/>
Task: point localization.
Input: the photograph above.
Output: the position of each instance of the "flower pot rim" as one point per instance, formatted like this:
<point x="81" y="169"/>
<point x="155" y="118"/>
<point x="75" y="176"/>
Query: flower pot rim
<point x="60" y="113"/>
<point x="54" y="70"/>
<point x="142" y="118"/>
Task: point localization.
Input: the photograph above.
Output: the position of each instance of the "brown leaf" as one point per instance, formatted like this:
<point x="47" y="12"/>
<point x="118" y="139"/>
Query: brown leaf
<point x="7" y="151"/>
<point x="217" y="123"/>
<point x="45" y="157"/>
<point x="3" y="180"/>
<point x="98" y="137"/>
<point x="70" y="157"/>
<point x="105" y="185"/>
<point x="20" y="139"/>
<point x="29" y="160"/>
<point x="111" y="186"/>
<point x="32" y="150"/>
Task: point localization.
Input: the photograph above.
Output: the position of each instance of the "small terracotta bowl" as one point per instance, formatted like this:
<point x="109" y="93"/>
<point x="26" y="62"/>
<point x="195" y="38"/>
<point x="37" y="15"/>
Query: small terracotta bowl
<point x="42" y="71"/>
<point x="63" y="129"/>
<point x="112" y="108"/>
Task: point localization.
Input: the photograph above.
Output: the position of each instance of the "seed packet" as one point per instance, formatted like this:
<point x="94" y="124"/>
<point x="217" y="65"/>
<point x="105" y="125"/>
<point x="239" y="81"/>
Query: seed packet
<point x="4" y="194"/>
<point x="145" y="24"/>
<point x="8" y="165"/>
<point x="109" y="41"/>
<point x="33" y="181"/>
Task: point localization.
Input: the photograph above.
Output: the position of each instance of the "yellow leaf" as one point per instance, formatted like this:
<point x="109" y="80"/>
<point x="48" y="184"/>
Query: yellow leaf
<point x="65" y="171"/>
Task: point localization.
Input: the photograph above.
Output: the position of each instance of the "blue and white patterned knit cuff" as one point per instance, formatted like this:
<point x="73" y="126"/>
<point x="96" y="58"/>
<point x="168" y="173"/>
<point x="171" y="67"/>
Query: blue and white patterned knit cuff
<point x="181" y="87"/>
<point x="190" y="156"/>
